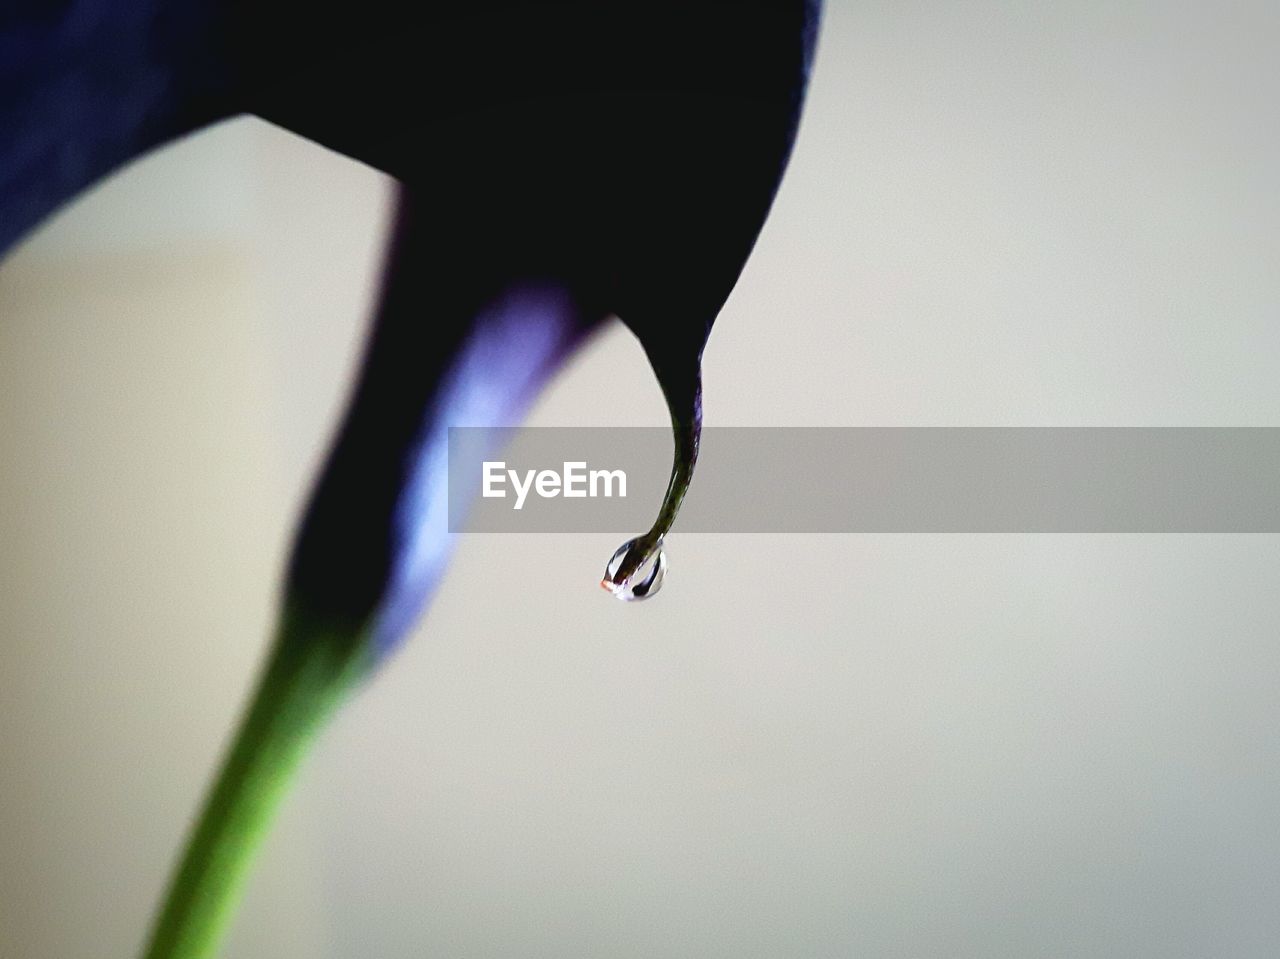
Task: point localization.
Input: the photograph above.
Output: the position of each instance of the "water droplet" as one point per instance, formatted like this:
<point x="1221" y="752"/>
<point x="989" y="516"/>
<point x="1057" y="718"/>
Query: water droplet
<point x="636" y="570"/>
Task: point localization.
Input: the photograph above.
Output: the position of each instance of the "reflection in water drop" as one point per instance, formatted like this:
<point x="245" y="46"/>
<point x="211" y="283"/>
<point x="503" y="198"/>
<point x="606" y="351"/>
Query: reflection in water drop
<point x="642" y="576"/>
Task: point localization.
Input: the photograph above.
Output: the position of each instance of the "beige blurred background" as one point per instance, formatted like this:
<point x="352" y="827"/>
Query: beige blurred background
<point x="903" y="746"/>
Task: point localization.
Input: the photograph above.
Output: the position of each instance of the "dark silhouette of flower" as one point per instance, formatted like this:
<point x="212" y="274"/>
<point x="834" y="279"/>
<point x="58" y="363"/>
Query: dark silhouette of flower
<point x="558" y="163"/>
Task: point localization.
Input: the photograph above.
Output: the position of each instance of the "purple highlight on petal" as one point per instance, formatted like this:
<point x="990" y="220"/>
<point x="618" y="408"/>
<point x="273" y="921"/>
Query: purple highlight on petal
<point x="518" y="343"/>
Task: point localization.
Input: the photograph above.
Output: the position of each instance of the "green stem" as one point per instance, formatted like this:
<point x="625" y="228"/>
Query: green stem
<point x="307" y="676"/>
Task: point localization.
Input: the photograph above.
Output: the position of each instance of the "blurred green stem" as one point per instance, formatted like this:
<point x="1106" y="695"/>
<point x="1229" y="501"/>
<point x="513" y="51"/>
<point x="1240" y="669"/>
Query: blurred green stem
<point x="308" y="675"/>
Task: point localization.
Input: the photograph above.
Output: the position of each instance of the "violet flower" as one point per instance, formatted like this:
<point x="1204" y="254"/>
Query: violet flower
<point x="559" y="163"/>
